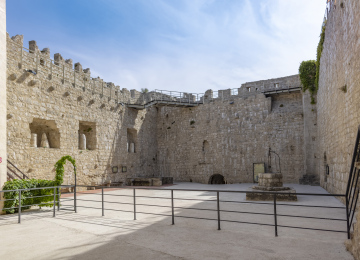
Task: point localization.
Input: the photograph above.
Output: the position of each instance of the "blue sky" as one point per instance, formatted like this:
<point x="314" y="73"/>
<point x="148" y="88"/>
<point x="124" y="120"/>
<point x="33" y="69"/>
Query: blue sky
<point x="185" y="45"/>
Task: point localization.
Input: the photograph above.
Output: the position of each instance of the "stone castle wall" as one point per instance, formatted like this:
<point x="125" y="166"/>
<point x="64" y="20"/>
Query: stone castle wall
<point x="49" y="102"/>
<point x="338" y="113"/>
<point x="338" y="101"/>
<point x="225" y="134"/>
<point x="3" y="147"/>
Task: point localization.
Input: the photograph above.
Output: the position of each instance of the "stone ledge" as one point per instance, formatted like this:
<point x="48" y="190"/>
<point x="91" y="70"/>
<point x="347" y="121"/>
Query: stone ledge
<point x="288" y="195"/>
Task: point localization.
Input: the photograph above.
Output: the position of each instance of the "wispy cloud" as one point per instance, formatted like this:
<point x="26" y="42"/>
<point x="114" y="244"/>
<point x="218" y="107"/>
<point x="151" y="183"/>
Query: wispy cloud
<point x="194" y="45"/>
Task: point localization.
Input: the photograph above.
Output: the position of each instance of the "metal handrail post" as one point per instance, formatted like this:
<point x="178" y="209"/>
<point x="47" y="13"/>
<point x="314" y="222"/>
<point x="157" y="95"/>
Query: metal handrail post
<point x="172" y="207"/>
<point x="134" y="205"/>
<point x="58" y="200"/>
<point x="275" y="216"/>
<point x="19" y="209"/>
<point x="54" y="205"/>
<point x="347" y="217"/>
<point x="75" y="209"/>
<point x="218" y="210"/>
<point x="102" y="200"/>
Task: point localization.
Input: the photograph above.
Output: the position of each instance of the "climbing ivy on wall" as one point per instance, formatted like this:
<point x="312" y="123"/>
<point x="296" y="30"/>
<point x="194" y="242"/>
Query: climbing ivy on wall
<point x="310" y="70"/>
<point x="307" y="72"/>
<point x="59" y="167"/>
<point x="30" y="197"/>
<point x="318" y="56"/>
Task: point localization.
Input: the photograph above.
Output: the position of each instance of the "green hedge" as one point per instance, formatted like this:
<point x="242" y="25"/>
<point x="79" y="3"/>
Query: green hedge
<point x="27" y="197"/>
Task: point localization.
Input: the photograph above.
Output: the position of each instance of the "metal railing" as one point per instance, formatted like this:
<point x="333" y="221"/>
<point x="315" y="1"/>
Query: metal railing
<point x="218" y="208"/>
<point x="219" y="205"/>
<point x="23" y="195"/>
<point x="352" y="190"/>
<point x="13" y="172"/>
<point x="330" y="6"/>
<point x="176" y="96"/>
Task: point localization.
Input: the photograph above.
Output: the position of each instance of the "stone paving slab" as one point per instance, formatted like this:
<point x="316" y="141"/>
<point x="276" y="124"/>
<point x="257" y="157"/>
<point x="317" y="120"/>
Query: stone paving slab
<point x="88" y="235"/>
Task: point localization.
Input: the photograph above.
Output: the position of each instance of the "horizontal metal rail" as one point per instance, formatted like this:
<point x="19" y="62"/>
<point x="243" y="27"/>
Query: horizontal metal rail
<point x="222" y="191"/>
<point x="172" y="199"/>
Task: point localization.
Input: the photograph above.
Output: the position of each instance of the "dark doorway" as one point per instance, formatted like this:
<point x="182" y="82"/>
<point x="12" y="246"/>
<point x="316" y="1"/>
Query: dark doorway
<point x="217" y="179"/>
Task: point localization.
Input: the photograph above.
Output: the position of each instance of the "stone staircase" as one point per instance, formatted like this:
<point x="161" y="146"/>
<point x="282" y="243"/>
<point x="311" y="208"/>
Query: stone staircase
<point x="14" y="173"/>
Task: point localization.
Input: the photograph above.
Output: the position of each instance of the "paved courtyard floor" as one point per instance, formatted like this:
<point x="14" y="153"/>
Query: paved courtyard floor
<point x="87" y="235"/>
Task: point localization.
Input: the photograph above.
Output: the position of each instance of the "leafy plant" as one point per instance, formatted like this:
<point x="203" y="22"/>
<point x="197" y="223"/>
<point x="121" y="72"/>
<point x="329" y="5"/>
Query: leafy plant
<point x="59" y="168"/>
<point x="318" y="56"/>
<point x="307" y="73"/>
<point x="310" y="70"/>
<point x="144" y="90"/>
<point x="40" y="197"/>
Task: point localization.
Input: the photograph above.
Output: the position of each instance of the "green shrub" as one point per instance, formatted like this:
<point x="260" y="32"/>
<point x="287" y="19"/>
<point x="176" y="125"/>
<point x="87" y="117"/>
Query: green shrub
<point x="12" y="197"/>
<point x="307" y="73"/>
<point x="28" y="197"/>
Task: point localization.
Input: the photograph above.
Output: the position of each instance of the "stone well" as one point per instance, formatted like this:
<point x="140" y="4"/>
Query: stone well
<point x="269" y="183"/>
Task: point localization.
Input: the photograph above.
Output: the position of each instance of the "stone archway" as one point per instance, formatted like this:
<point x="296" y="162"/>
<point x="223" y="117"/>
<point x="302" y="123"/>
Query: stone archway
<point x="217" y="179"/>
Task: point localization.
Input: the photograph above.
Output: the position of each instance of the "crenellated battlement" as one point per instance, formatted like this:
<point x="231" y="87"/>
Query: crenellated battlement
<point x="64" y="72"/>
<point x="60" y="71"/>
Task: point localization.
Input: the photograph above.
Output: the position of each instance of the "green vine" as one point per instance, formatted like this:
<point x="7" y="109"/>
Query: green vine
<point x="41" y="197"/>
<point x="310" y="70"/>
<point x="318" y="55"/>
<point x="59" y="168"/>
<point x="307" y="73"/>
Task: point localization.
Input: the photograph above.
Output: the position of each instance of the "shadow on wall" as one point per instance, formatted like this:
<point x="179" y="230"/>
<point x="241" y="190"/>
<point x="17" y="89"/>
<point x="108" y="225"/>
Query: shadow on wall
<point x="133" y="146"/>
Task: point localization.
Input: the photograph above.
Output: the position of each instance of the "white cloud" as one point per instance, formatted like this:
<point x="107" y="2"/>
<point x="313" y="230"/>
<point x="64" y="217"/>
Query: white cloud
<point x="211" y="44"/>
